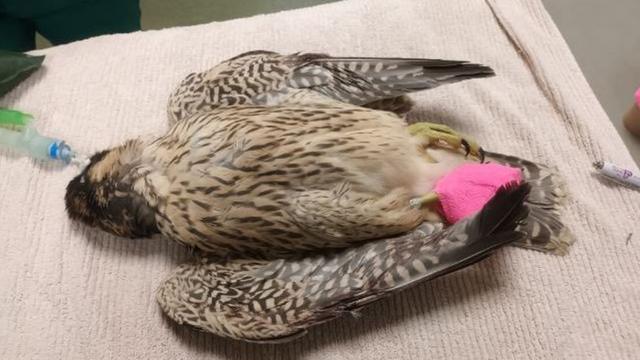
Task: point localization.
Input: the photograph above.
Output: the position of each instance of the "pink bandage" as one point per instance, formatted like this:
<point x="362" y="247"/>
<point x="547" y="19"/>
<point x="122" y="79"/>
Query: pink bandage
<point x="464" y="191"/>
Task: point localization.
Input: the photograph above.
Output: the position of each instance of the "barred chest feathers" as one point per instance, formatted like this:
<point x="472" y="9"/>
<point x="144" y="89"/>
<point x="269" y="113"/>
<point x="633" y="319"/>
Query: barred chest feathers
<point x="246" y="179"/>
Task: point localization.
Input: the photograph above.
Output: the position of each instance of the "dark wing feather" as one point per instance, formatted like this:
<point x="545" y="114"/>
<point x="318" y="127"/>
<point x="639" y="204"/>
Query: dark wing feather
<point x="364" y="80"/>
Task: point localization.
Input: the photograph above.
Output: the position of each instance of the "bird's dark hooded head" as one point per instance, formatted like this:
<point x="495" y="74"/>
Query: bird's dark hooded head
<point x="103" y="196"/>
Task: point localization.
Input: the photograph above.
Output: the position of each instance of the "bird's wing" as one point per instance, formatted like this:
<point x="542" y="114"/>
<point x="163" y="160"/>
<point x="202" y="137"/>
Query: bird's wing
<point x="268" y="78"/>
<point x="275" y="301"/>
<point x="229" y="83"/>
<point x="341" y="216"/>
<point x="362" y="80"/>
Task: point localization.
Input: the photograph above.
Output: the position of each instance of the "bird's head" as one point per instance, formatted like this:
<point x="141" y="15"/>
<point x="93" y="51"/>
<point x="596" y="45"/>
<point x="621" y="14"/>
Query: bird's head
<point x="103" y="195"/>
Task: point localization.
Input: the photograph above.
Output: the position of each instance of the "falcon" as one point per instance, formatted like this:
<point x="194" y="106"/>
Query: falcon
<point x="294" y="174"/>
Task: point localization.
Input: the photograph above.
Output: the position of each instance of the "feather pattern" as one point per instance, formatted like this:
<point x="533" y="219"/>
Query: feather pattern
<point x="278" y="300"/>
<point x="545" y="231"/>
<point x="268" y="78"/>
<point x="279" y="168"/>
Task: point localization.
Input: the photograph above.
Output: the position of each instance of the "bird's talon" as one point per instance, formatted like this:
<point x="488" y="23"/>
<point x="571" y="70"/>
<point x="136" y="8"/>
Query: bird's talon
<point x="470" y="147"/>
<point x="466" y="147"/>
<point x="442" y="135"/>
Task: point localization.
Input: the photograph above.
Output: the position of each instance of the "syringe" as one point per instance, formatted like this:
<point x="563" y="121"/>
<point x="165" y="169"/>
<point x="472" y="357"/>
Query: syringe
<point x="17" y="134"/>
<point x="617" y="174"/>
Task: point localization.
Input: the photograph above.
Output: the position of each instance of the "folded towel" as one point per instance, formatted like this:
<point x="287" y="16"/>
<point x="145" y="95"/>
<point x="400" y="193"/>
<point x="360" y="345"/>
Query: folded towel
<point x="69" y="292"/>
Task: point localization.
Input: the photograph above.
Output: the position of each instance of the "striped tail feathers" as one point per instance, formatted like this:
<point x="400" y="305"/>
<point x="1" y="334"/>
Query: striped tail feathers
<point x="544" y="228"/>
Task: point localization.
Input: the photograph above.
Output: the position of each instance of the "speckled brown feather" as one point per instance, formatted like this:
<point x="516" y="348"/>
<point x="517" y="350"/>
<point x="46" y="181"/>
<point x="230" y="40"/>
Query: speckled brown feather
<point x="277" y="180"/>
<point x="278" y="300"/>
<point x="268" y="78"/>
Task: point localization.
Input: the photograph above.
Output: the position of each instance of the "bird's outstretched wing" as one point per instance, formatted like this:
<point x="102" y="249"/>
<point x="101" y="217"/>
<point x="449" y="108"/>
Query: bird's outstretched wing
<point x="268" y="78"/>
<point x="275" y="301"/>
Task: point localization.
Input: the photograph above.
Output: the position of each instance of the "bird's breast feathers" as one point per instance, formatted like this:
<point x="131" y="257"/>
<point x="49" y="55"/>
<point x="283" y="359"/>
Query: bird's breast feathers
<point x="244" y="175"/>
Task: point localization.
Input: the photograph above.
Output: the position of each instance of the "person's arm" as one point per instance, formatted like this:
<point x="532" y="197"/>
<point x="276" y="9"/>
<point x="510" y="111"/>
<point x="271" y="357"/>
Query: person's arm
<point x="632" y="117"/>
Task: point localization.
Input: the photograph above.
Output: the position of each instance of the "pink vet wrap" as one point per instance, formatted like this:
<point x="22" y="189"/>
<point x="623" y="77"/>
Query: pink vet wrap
<point x="464" y="191"/>
<point x="638" y="97"/>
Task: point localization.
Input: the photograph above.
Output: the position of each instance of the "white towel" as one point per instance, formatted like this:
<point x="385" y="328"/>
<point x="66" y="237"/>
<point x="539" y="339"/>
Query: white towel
<point x="69" y="292"/>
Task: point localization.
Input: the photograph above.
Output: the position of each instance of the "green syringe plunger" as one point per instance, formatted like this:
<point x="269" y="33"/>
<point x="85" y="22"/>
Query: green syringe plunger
<point x="17" y="133"/>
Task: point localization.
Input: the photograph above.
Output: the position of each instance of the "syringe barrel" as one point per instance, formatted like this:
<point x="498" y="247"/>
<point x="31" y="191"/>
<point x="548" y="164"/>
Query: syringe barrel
<point x="29" y="142"/>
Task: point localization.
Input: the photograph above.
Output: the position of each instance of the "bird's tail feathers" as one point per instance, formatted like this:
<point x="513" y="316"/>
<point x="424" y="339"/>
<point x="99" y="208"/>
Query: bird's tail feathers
<point x="543" y="227"/>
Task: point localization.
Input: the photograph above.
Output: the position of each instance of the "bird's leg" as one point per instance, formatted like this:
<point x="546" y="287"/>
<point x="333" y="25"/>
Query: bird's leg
<point x="429" y="199"/>
<point x="428" y="204"/>
<point x="443" y="136"/>
<point x="438" y="135"/>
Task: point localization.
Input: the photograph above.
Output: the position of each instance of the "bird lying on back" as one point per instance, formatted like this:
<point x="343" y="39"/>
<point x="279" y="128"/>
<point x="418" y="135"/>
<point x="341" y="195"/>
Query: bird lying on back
<point x="280" y="161"/>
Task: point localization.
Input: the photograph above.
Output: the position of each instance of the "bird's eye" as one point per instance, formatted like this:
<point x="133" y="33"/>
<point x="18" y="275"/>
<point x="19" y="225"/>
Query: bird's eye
<point x="82" y="180"/>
